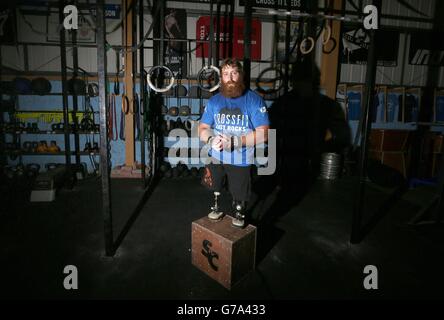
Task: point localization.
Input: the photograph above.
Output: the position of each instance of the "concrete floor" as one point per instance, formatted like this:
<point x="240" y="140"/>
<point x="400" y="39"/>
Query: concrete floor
<point x="303" y="249"/>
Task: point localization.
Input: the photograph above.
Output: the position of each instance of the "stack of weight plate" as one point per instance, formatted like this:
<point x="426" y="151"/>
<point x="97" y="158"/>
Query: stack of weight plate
<point x="331" y="166"/>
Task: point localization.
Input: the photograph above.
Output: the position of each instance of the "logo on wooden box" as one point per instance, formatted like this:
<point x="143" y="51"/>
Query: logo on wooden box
<point x="224" y="252"/>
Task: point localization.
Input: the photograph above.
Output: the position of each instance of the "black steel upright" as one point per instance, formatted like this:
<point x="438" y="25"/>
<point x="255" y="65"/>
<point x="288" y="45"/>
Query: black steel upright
<point x="287" y="48"/>
<point x="211" y="36"/>
<point x="230" y="29"/>
<point x="75" y="105"/>
<point x="217" y="58"/>
<point x="104" y="143"/>
<point x="370" y="78"/>
<point x="3" y="160"/>
<point x="64" y="88"/>
<point x="247" y="43"/>
<point x="143" y="96"/>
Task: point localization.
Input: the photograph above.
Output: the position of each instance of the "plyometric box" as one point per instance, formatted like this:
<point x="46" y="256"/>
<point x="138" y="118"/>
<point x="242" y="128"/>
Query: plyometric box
<point x="224" y="252"/>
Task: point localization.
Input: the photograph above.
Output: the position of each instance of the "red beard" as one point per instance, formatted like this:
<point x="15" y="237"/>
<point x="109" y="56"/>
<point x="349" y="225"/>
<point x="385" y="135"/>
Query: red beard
<point x="232" y="89"/>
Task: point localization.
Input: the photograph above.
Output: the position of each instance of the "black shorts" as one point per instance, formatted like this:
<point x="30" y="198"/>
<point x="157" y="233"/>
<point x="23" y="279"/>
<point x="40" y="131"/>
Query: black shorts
<point x="238" y="179"/>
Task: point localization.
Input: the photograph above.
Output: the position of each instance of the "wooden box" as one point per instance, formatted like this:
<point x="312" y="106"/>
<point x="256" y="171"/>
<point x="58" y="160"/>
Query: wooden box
<point x="224" y="252"/>
<point x="390" y="147"/>
<point x="389" y="140"/>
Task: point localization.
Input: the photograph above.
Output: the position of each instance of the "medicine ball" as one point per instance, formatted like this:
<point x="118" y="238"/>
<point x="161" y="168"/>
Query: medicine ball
<point x="76" y="86"/>
<point x="22" y="85"/>
<point x="173" y="111"/>
<point x="41" y="86"/>
<point x="93" y="90"/>
<point x="181" y="90"/>
<point x="184" y="111"/>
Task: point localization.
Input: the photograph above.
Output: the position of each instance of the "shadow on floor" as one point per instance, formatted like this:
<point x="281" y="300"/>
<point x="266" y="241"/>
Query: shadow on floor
<point x="272" y="201"/>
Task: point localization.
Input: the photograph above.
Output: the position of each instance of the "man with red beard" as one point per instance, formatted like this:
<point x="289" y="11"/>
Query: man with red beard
<point x="234" y="122"/>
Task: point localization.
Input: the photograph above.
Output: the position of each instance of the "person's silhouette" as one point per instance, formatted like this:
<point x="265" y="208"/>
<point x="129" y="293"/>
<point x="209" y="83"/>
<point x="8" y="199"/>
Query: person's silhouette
<point x="307" y="124"/>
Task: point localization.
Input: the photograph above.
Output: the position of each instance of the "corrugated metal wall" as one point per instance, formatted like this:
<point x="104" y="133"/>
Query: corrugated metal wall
<point x="47" y="58"/>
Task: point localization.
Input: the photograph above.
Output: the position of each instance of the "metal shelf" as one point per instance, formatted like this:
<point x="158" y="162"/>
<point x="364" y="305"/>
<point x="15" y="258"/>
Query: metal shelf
<point x="61" y="153"/>
<point x="50" y="132"/>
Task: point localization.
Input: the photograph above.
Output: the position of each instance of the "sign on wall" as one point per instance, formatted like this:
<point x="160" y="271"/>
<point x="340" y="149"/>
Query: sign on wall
<point x="426" y="48"/>
<point x="85" y="32"/>
<point x="176" y="51"/>
<point x="276" y="4"/>
<point x="112" y="11"/>
<point x="203" y="30"/>
<point x="355" y="44"/>
<point x="86" y="24"/>
<point x="207" y="1"/>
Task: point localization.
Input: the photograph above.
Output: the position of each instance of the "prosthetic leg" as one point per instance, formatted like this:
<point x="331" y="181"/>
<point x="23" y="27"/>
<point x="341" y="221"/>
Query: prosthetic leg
<point x="239" y="216"/>
<point x="215" y="214"/>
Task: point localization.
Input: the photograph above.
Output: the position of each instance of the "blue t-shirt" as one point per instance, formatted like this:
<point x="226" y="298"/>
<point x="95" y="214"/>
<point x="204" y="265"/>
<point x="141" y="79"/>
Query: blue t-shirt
<point x="235" y="116"/>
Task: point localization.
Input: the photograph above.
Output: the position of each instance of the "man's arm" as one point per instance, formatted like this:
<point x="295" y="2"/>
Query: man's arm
<point x="206" y="135"/>
<point x="205" y="132"/>
<point x="255" y="137"/>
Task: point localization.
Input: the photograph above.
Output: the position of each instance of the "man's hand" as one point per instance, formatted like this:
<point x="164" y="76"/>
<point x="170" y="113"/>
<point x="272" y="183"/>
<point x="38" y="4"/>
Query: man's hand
<point x="216" y="143"/>
<point x="231" y="142"/>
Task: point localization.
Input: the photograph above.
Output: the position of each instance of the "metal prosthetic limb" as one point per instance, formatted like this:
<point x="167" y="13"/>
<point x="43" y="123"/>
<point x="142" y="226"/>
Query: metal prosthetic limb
<point x="215" y="214"/>
<point x="239" y="217"/>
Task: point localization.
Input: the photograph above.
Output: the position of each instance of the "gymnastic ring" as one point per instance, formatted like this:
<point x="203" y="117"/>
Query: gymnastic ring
<point x="332" y="48"/>
<point x="152" y="86"/>
<point x="278" y="77"/>
<point x="125" y="104"/>
<point x="188" y="124"/>
<point x="328" y="28"/>
<point x="215" y="69"/>
<point x="302" y="45"/>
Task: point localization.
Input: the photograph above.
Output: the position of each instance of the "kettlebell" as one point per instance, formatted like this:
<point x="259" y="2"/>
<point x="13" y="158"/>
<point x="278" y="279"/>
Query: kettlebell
<point x="194" y="172"/>
<point x="175" y="172"/>
<point x="168" y="173"/>
<point x="27" y="146"/>
<point x="173" y="111"/>
<point x="185" y="172"/>
<point x="53" y="147"/>
<point x="165" y="166"/>
<point x="50" y="166"/>
<point x="42" y="147"/>
<point x="184" y="111"/>
<point x="32" y="170"/>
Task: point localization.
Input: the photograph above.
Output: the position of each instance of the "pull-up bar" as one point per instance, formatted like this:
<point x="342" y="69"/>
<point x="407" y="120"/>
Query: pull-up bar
<point x="313" y="16"/>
